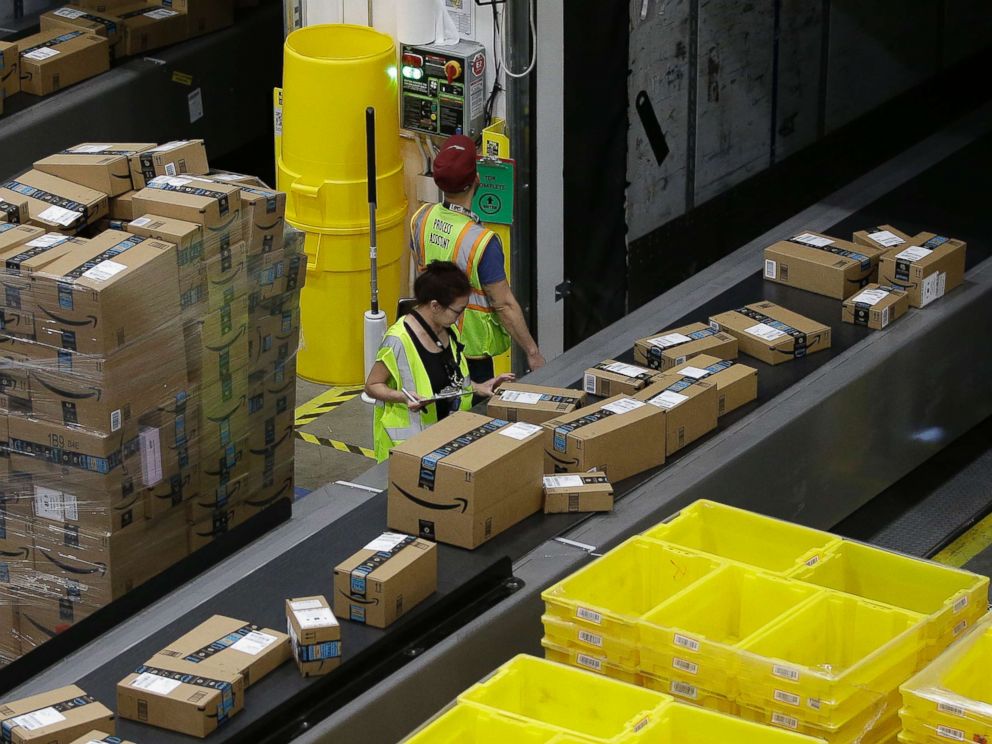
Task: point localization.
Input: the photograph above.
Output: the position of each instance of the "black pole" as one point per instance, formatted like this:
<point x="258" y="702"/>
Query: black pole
<point x="373" y="250"/>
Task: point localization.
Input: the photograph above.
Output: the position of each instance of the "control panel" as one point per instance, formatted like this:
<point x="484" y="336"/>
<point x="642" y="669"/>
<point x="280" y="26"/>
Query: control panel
<point x="443" y="88"/>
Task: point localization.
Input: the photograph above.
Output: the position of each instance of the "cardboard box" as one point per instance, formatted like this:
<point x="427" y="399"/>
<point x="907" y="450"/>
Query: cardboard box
<point x="771" y="333"/>
<point x="176" y="158"/>
<point x="148" y="27"/>
<point x="588" y="492"/>
<point x="677" y="345"/>
<point x="180" y="696"/>
<point x="385" y="579"/>
<point x="204" y="16"/>
<point x="215" y="206"/>
<point x="736" y="384"/>
<point x="188" y="239"/>
<point x="215" y="524"/>
<point x="102" y="166"/>
<point x="465" y="479"/>
<point x="271" y="412"/>
<point x="116" y="289"/>
<point x="927" y="268"/>
<point x="315" y="635"/>
<point x="10" y="69"/>
<point x="274" y="338"/>
<point x="12" y="235"/>
<point x="103" y="5"/>
<point x="691" y="407"/>
<point x="99" y="737"/>
<point x="263" y="214"/>
<point x="55" y="717"/>
<point x="13" y="213"/>
<point x="619" y="437"/>
<point x="76" y="17"/>
<point x="821" y="264"/>
<point x="15" y="384"/>
<point x="122" y="207"/>
<point x="234" y="645"/>
<point x="534" y="404"/>
<point x="54" y="203"/>
<point x="875" y="306"/>
<point x="10" y="641"/>
<point x="16" y="552"/>
<point x="53" y="60"/>
<point x="883" y="237"/>
<point x="19" y="265"/>
<point x="267" y="487"/>
<point x="611" y="377"/>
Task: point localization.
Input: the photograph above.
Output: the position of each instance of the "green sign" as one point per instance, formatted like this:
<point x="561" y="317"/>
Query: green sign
<point x="494" y="199"/>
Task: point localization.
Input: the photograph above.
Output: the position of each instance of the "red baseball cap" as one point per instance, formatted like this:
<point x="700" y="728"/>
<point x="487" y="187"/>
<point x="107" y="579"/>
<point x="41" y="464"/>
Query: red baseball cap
<point x="454" y="165"/>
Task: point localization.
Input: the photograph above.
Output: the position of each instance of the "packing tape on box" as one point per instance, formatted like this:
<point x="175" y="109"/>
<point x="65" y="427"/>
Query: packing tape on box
<point x="799" y="338"/>
<point x="54" y="199"/>
<point x="358" y="585"/>
<point x="645" y="376"/>
<point x="8" y="725"/>
<point x="562" y="431"/>
<point x="655" y="350"/>
<point x="12" y="211"/>
<point x="318" y="651"/>
<point x="224" y="688"/>
<point x="814" y="241"/>
<point x="222" y="643"/>
<point x="428" y="463"/>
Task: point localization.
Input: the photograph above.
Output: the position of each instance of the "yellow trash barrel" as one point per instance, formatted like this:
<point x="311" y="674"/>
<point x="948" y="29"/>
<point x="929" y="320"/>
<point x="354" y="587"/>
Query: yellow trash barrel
<point x="331" y="74"/>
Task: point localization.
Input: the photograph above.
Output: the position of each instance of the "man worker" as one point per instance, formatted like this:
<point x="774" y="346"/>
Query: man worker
<point x="451" y="231"/>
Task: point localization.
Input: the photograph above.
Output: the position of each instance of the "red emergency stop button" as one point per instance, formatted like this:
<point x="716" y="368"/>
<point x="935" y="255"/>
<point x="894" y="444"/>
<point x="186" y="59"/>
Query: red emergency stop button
<point x="453" y="69"/>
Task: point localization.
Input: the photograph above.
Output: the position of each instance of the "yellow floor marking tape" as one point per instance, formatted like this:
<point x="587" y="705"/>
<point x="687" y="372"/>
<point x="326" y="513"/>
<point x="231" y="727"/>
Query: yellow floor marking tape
<point x="968" y="545"/>
<point x="324" y="402"/>
<point x="340" y="446"/>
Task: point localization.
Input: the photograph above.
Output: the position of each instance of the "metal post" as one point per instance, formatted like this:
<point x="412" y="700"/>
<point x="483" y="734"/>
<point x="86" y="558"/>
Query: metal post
<point x="520" y="112"/>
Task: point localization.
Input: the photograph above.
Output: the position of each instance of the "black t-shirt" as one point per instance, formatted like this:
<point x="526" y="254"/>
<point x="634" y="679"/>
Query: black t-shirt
<point x="437" y="372"/>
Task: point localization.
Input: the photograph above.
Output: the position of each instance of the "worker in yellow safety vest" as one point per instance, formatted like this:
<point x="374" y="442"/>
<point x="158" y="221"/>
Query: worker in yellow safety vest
<point x="421" y="373"/>
<point x="451" y="231"/>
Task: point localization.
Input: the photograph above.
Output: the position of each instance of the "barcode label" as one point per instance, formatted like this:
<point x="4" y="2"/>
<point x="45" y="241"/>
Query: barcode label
<point x="814" y="703"/>
<point x="590" y="384"/>
<point x="115" y="420"/>
<point x="959" y="627"/>
<point x="683" y="642"/>
<point x="787" y="697"/>
<point x="593" y="617"/>
<point x="813" y="561"/>
<point x="685" y="666"/>
<point x="950" y="733"/>
<point x="589" y="662"/>
<point x="951" y="709"/>
<point x="770" y="269"/>
<point x="785" y="673"/>
<point x="780" y="719"/>
<point x="961" y="604"/>
<point x="591" y="638"/>
<point x="170" y="169"/>
<point x="684" y="690"/>
<point x="641" y="724"/>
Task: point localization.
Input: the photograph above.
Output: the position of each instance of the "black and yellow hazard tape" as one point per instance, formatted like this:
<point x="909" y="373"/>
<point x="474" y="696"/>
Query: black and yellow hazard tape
<point x="323" y="403"/>
<point x="333" y="443"/>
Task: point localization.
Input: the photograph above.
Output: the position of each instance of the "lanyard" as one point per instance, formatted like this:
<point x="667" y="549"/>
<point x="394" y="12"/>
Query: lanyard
<point x="456" y="347"/>
<point x="459" y="209"/>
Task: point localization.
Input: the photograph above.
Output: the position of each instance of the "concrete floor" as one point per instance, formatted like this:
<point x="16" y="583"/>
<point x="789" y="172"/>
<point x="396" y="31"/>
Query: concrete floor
<point x="351" y="422"/>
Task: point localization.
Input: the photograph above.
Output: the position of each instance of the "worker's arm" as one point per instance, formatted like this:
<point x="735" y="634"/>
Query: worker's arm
<point x="512" y="317"/>
<point x="377" y="387"/>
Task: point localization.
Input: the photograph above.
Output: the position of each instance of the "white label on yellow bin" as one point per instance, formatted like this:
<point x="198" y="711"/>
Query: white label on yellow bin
<point x="518" y="396"/>
<point x="37" y="719"/>
<point x="813" y="561"/>
<point x="593" y="617"/>
<point x="154" y="683"/>
<point x="591" y="638"/>
<point x="589" y="662"/>
<point x="641" y="724"/>
<point x="780" y="719"/>
<point x="685" y="642"/>
<point x="684" y="689"/>
<point x="814" y="703"/>
<point x="953" y="710"/>
<point x="685" y="666"/>
<point x="254" y="643"/>
<point x="950" y="733"/>
<point x="886" y="238"/>
<point x="787" y="697"/>
<point x="785" y="673"/>
<point x="959" y="627"/>
<point x="961" y="604"/>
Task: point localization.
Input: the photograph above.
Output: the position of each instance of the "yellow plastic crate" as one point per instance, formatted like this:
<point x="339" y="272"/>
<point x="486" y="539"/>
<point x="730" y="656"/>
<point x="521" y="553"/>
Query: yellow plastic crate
<point x="743" y="536"/>
<point x="831" y="658"/>
<point x="609" y="595"/>
<point x="686" y="691"/>
<point x="878" y="723"/>
<point x="697" y="631"/>
<point x="570" y="700"/>
<point x="580" y="638"/>
<point x="682" y="724"/>
<point x="464" y="724"/>
<point x="952" y="599"/>
<point x="954" y="694"/>
<point x="590" y="662"/>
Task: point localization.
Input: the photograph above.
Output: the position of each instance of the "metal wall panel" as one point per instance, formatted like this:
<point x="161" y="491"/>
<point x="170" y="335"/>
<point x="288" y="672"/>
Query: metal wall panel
<point x="800" y="47"/>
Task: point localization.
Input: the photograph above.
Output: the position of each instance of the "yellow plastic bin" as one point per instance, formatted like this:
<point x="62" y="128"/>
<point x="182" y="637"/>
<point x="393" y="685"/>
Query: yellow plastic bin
<point x="571" y="636"/>
<point x="463" y="724"/>
<point x="952" y="599"/>
<point x="877" y="723"/>
<point x="687" y="690"/>
<point x="591" y="661"/>
<point x="831" y="659"/>
<point x="573" y="701"/>
<point x="698" y="631"/>
<point x="682" y="724"/>
<point x="612" y="593"/>
<point x="743" y="536"/>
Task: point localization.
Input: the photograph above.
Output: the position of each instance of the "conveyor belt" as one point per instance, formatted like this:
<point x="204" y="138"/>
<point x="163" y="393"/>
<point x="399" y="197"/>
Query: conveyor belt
<point x="946" y="197"/>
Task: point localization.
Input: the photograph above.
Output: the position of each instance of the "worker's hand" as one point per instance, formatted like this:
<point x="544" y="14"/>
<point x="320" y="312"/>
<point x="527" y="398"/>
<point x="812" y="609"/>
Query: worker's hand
<point x="535" y="360"/>
<point x="414" y="402"/>
<point x="486" y="388"/>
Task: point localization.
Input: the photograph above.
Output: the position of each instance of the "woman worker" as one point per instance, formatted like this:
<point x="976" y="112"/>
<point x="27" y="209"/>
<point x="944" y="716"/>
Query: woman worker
<point x="421" y="359"/>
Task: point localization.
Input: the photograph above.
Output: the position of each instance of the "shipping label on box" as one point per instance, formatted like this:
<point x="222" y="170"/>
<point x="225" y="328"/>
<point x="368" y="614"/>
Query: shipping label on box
<point x="883" y="237"/>
<point x="176" y="158"/>
<point x="533" y="404"/>
<point x="465" y="479"/>
<point x="180" y="696"/>
<point x="315" y="635"/>
<point x="102" y="166"/>
<point x="57" y="716"/>
<point x="690" y="404"/>
<point x="876" y="306"/>
<point x="385" y="579"/>
<point x="674" y="346"/>
<point x="56" y="59"/>
<point x="821" y="264"/>
<point x="619" y="437"/>
<point x="736" y="384"/>
<point x="928" y="268"/>
<point x="586" y="492"/>
<point x="771" y="333"/>
<point x="616" y="378"/>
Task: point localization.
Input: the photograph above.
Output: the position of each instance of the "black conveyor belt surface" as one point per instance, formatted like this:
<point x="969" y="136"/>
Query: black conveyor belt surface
<point x="949" y="198"/>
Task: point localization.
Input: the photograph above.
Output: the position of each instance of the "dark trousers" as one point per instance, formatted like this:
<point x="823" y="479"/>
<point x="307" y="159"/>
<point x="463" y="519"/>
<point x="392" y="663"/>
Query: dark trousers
<point x="480" y="370"/>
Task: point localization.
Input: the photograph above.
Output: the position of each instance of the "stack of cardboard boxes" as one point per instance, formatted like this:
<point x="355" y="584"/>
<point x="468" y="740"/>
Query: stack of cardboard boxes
<point x="147" y="375"/>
